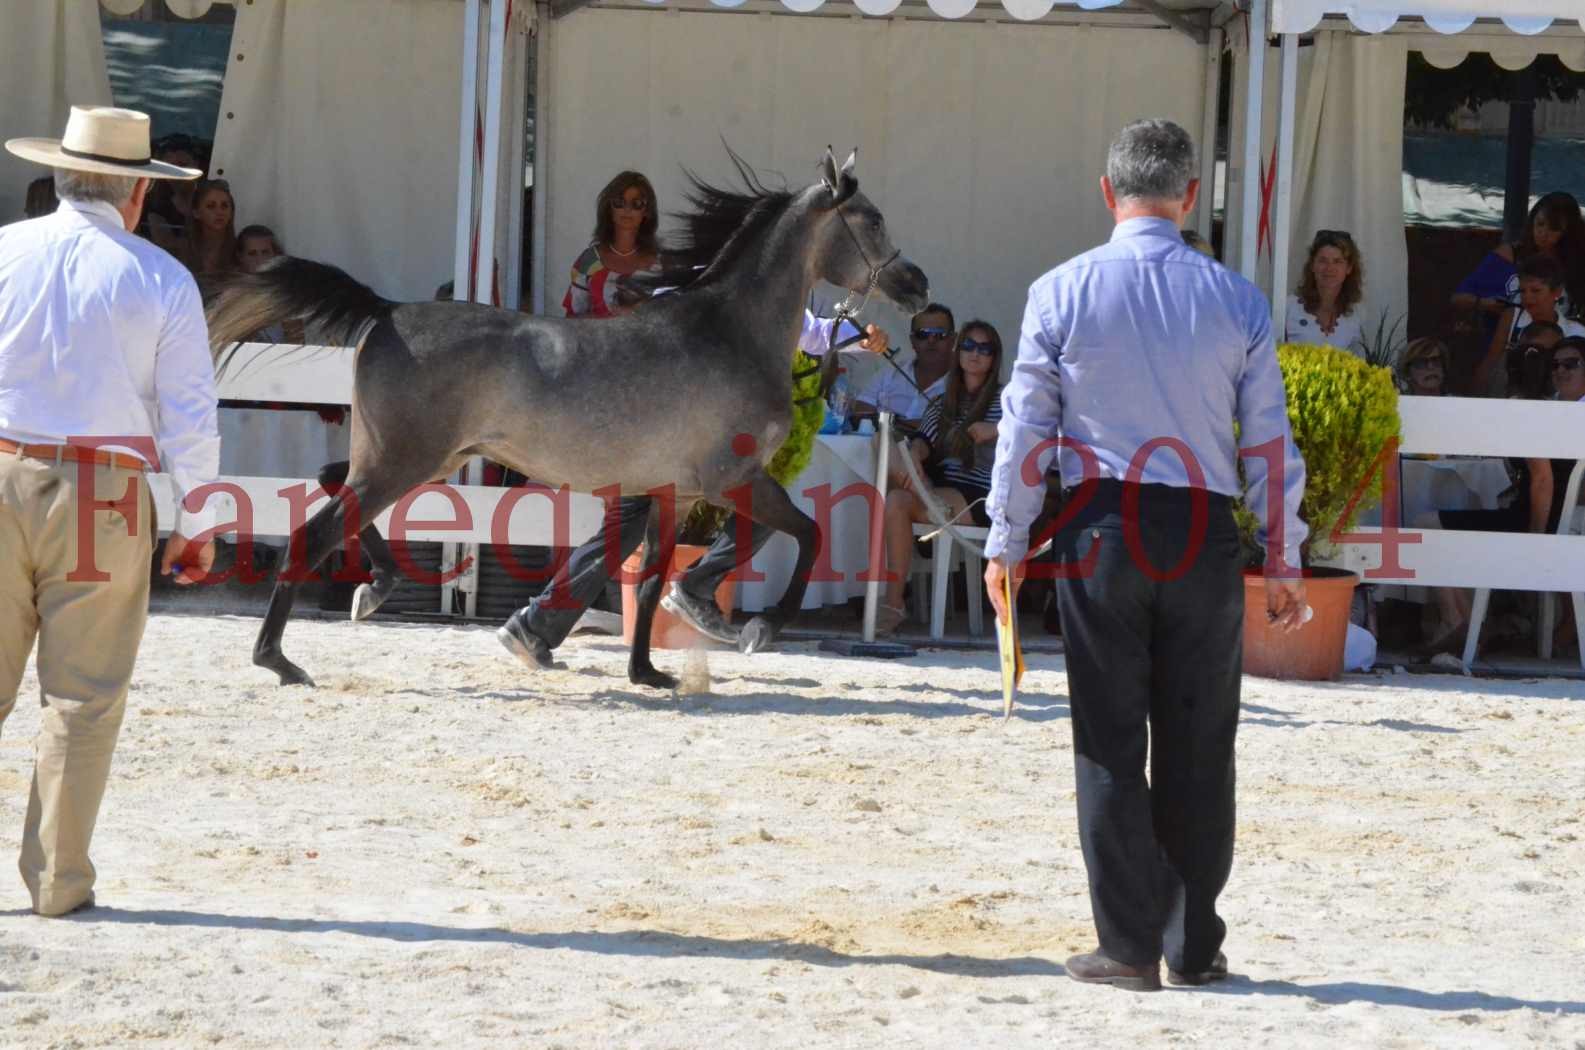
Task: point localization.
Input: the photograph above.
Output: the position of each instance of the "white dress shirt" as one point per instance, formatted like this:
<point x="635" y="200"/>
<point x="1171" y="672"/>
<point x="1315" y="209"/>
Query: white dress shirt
<point x="102" y="334"/>
<point x="892" y="392"/>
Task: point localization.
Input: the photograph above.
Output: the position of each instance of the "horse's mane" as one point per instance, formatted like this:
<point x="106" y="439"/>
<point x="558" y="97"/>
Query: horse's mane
<point x="715" y="228"/>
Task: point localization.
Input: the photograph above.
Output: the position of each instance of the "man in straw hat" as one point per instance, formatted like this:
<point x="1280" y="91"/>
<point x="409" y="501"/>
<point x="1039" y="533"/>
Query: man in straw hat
<point x="104" y="373"/>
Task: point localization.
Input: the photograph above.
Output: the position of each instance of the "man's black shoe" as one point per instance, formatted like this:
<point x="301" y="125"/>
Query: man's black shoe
<point x="1217" y="971"/>
<point x="1095" y="968"/>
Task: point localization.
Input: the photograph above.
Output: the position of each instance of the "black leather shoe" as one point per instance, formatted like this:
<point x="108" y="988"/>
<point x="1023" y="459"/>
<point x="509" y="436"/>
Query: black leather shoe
<point x="524" y="644"/>
<point x="703" y="617"/>
<point x="1095" y="968"/>
<point x="1217" y="971"/>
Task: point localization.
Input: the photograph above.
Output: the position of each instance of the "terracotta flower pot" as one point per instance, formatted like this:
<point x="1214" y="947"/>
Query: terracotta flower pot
<point x="668" y="632"/>
<point x="1312" y="653"/>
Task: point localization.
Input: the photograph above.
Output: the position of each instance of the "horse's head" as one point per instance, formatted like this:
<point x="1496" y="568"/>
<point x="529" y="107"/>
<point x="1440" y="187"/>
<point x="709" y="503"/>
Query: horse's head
<point x="855" y="252"/>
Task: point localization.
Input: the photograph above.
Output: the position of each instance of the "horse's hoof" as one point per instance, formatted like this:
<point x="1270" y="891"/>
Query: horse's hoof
<point x="365" y="600"/>
<point x="289" y="673"/>
<point x="525" y="645"/>
<point x="757" y="634"/>
<point x="652" y="677"/>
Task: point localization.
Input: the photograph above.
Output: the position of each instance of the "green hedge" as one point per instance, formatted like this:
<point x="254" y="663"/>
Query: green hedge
<point x="1343" y="412"/>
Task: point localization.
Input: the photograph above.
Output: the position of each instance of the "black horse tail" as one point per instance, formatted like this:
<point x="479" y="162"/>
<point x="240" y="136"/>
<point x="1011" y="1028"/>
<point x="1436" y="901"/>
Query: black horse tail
<point x="337" y="307"/>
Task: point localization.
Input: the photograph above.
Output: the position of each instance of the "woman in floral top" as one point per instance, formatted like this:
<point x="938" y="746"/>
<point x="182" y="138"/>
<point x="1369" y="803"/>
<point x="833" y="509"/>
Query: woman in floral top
<point x="624" y="244"/>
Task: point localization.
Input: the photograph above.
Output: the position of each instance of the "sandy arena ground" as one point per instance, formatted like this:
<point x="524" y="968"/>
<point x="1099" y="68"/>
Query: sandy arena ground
<point x="438" y="848"/>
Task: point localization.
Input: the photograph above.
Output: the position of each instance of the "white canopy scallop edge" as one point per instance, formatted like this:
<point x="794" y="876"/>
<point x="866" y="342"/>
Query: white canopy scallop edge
<point x="1023" y="10"/>
<point x="1526" y="17"/>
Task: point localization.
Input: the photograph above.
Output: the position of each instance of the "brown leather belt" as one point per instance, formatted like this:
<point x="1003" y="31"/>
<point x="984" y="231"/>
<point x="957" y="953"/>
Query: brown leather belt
<point x="59" y="454"/>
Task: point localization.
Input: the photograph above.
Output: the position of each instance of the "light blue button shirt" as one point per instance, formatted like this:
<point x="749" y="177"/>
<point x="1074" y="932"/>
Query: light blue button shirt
<point x="1140" y="340"/>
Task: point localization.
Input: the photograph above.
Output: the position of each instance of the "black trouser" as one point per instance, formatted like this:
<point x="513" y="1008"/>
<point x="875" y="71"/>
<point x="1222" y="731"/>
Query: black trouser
<point x="555" y="612"/>
<point x="1154" y="663"/>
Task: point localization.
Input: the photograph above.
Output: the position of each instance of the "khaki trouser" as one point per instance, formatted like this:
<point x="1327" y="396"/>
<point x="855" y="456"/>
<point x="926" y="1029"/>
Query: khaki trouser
<point x="88" y="633"/>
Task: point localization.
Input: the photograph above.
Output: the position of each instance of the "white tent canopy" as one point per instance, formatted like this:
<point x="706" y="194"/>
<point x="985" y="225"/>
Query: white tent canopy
<point x="1444" y="16"/>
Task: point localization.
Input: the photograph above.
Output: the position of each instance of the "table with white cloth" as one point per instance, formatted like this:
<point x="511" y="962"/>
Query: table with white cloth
<point x="1445" y="483"/>
<point x="839" y="460"/>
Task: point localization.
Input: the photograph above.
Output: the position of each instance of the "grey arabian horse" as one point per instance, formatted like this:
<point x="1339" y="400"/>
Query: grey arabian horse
<point x="690" y="393"/>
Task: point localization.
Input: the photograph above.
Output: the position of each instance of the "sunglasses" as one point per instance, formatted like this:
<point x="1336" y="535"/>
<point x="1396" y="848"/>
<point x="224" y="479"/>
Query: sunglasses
<point x="921" y="334"/>
<point x="974" y="346"/>
<point x="625" y="205"/>
<point x="1322" y="236"/>
<point x="1567" y="364"/>
<point x="1424" y="363"/>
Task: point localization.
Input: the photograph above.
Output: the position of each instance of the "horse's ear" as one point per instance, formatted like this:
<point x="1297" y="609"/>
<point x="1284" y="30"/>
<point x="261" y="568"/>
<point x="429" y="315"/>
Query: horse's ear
<point x="829" y="174"/>
<point x="847" y="182"/>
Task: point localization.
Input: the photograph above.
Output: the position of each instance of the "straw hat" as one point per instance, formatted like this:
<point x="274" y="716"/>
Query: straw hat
<point x="104" y="140"/>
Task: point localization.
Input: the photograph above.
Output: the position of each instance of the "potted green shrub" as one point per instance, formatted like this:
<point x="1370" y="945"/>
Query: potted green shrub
<point x="700" y="527"/>
<point x="1343" y="412"/>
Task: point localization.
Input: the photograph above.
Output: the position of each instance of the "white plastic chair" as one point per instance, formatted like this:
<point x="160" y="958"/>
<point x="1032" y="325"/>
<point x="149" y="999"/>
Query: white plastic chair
<point x="1572" y="523"/>
<point x="943" y="553"/>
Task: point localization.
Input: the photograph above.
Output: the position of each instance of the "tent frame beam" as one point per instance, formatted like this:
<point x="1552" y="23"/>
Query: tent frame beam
<point x="563" y="8"/>
<point x="1197" y="30"/>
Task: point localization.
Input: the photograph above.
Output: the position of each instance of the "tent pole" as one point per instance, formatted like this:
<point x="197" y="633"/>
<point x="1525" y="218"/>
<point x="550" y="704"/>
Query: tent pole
<point x="1254" y="97"/>
<point x="516" y="147"/>
<point x="540" y="218"/>
<point x="461" y="269"/>
<point x="465" y="131"/>
<point x="1282" y="220"/>
<point x="1206" y="212"/>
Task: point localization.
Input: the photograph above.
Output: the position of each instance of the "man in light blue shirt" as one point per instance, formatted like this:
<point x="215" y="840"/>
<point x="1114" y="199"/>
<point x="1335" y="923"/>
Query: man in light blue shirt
<point x="1138" y="357"/>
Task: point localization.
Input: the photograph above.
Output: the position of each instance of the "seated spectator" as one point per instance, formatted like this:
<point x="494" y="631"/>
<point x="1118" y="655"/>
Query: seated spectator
<point x="257" y="245"/>
<point x="1423" y="370"/>
<point x="932" y="335"/>
<point x="1193" y="239"/>
<point x="168" y="206"/>
<point x="209" y="243"/>
<point x="1535" y="501"/>
<point x="41" y="199"/>
<point x="1556" y="230"/>
<point x="1540" y="292"/>
<point x="1332" y="285"/>
<point x="954" y="449"/>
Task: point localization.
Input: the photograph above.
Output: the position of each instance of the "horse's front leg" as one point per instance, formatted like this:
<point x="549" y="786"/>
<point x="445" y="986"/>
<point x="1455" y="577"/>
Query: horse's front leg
<point x="771" y="506"/>
<point x="657" y="559"/>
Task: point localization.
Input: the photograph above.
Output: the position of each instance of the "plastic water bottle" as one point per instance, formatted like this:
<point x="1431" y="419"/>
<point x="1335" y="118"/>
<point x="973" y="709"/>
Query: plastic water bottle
<point x="841" y="399"/>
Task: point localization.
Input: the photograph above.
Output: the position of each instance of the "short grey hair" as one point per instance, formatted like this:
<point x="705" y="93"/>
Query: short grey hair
<point x="91" y="186"/>
<point x="1151" y="160"/>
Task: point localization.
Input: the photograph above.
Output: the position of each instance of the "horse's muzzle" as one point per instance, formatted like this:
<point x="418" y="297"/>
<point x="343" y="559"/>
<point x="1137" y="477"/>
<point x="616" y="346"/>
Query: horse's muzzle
<point x="906" y="285"/>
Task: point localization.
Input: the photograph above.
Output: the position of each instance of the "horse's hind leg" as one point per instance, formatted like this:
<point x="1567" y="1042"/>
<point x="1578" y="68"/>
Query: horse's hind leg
<point x="640" y="671"/>
<point x="770" y="505"/>
<point x="369" y="596"/>
<point x="324" y="532"/>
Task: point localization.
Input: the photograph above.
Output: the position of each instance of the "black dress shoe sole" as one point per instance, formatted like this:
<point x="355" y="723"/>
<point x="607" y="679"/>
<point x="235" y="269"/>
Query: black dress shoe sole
<point x="1148" y="983"/>
<point x="1195" y="980"/>
<point x="532" y="656"/>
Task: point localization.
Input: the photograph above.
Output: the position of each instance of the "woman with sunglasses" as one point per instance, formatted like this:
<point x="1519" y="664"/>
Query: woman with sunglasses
<point x="955" y="448"/>
<point x="1423" y="370"/>
<point x="624" y="244"/>
<point x="1333" y="283"/>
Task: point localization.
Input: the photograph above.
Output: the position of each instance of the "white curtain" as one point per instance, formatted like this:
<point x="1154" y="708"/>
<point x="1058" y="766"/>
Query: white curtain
<point x="983" y="144"/>
<point x="1347" y="161"/>
<point x="52" y="57"/>
<point x="338" y="129"/>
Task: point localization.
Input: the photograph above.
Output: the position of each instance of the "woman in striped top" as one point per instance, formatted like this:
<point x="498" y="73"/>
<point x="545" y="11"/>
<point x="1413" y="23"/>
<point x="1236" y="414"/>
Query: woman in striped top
<point x="955" y="448"/>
